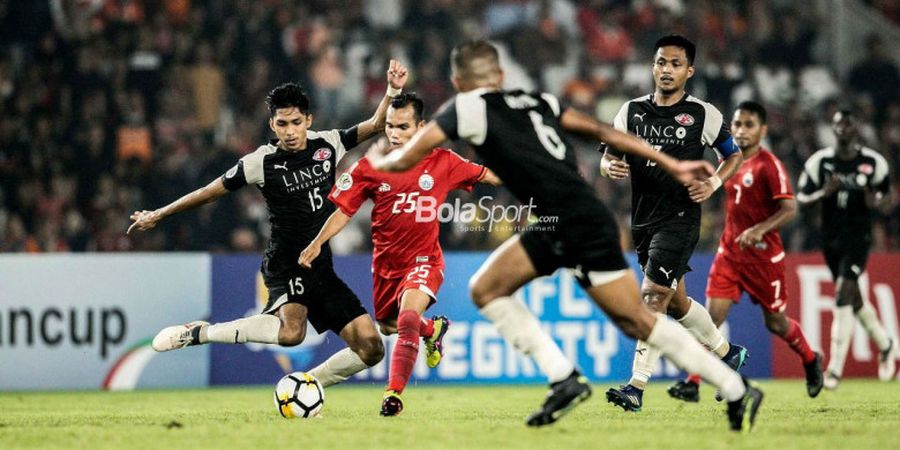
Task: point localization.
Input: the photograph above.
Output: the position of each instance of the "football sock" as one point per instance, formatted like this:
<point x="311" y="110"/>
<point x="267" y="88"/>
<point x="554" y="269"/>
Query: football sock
<point x="521" y="329"/>
<point x="795" y="339"/>
<point x="261" y="328"/>
<point x="699" y="323"/>
<point x="870" y="322"/>
<point x="338" y="367"/>
<point x="675" y="343"/>
<point x="841" y="330"/>
<point x="426" y="328"/>
<point x="405" y="352"/>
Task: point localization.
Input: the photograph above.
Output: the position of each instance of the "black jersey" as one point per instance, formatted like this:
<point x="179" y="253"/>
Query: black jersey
<point x="683" y="131"/>
<point x="518" y="136"/>
<point x="845" y="216"/>
<point x="295" y="186"/>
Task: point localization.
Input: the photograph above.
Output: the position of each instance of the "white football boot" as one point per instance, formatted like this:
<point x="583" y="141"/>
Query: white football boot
<point x="175" y="337"/>
<point x="887" y="363"/>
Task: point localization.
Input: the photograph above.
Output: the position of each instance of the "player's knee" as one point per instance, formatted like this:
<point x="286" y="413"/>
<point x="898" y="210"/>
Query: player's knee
<point x="656" y="299"/>
<point x="387" y="329"/>
<point x="481" y="291"/>
<point x="291" y="335"/>
<point x="370" y="350"/>
<point x="776" y="324"/>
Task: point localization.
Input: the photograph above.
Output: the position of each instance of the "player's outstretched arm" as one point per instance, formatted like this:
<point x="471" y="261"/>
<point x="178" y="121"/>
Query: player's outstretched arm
<point x="700" y="191"/>
<point x="397" y="76"/>
<point x="613" y="167"/>
<point x="787" y="210"/>
<point x="145" y="220"/>
<point x="402" y="159"/>
<point x="683" y="171"/>
<point x="335" y="223"/>
<point x="491" y="178"/>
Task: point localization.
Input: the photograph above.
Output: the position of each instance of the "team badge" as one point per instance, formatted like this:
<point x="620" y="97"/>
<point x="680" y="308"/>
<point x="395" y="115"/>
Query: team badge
<point x="747" y="180"/>
<point x="685" y="119"/>
<point x="426" y="182"/>
<point x="326" y="166"/>
<point x="680" y="132"/>
<point x="344" y="182"/>
<point x="866" y="168"/>
<point x="384" y="187"/>
<point x="322" y="154"/>
<point x="231" y="172"/>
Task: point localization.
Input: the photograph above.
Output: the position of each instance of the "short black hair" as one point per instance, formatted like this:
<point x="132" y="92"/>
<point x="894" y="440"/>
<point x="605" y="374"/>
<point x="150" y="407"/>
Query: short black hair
<point x="755" y="108"/>
<point x="677" y="40"/>
<point x="410" y="98"/>
<point x="287" y="95"/>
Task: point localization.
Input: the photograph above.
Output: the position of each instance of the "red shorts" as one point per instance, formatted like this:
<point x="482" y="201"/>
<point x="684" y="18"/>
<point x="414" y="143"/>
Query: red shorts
<point x="387" y="291"/>
<point x="763" y="281"/>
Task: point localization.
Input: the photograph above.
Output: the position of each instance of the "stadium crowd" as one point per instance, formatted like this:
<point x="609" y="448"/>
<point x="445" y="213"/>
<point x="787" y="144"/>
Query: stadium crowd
<point x="111" y="106"/>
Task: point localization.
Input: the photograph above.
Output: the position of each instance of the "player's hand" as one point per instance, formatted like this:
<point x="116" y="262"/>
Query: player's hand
<point x="700" y="191"/>
<point x="397" y="74"/>
<point x="144" y="220"/>
<point x="750" y="237"/>
<point x="832" y="186"/>
<point x="615" y="168"/>
<point x="686" y="172"/>
<point x="310" y="253"/>
<point x="378" y="151"/>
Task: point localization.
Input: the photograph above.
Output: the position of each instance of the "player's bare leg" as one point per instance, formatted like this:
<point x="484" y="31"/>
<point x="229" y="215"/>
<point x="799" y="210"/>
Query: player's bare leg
<point x="364" y="350"/>
<point x="413" y="303"/>
<point x="286" y="326"/>
<point x="618" y="299"/>
<point x="506" y="270"/>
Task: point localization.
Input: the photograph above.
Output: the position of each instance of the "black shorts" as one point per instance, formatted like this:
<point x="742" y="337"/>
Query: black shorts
<point x="664" y="250"/>
<point x="590" y="245"/>
<point x="847" y="261"/>
<point x="331" y="304"/>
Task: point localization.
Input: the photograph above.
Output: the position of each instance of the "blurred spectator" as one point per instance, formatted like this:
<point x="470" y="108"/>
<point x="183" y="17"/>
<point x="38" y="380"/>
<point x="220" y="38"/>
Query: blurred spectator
<point x="877" y="77"/>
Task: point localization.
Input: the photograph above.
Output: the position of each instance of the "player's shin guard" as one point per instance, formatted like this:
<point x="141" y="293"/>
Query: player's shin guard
<point x="795" y="339"/>
<point x="405" y="352"/>
<point x="841" y="330"/>
<point x="699" y="323"/>
<point x="679" y="346"/>
<point x="870" y="322"/>
<point x="261" y="328"/>
<point x="520" y="328"/>
<point x="338" y="368"/>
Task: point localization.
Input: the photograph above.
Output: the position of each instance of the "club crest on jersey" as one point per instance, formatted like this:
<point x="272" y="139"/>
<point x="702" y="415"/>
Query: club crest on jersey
<point x="747" y="180"/>
<point x="866" y="168"/>
<point x="384" y="187"/>
<point x="685" y="119"/>
<point x="426" y="182"/>
<point x="344" y="182"/>
<point x="322" y="154"/>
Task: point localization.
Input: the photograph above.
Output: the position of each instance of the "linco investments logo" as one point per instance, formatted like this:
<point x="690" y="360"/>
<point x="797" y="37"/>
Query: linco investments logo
<point x="483" y="215"/>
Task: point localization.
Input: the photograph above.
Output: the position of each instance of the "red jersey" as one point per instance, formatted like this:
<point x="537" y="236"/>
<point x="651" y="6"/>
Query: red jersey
<point x="752" y="197"/>
<point x="404" y="220"/>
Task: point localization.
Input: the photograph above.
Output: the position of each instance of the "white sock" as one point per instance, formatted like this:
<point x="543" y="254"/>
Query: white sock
<point x="841" y="330"/>
<point x="521" y="328"/>
<point x="261" y="328"/>
<point x="870" y="322"/>
<point x="645" y="359"/>
<point x="338" y="367"/>
<point x="678" y="345"/>
<point x="699" y="323"/>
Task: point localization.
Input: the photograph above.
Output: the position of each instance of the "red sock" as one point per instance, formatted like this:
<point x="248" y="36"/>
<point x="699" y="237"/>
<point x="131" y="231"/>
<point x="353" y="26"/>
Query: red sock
<point x="795" y="339"/>
<point x="426" y="328"/>
<point x="694" y="378"/>
<point x="405" y="352"/>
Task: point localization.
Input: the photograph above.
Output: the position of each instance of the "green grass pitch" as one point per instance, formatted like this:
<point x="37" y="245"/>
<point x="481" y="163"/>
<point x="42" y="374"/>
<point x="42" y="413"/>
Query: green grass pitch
<point x="861" y="414"/>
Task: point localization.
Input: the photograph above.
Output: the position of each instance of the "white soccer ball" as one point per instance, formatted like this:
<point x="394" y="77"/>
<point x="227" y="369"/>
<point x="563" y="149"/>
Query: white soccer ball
<point x="299" y="394"/>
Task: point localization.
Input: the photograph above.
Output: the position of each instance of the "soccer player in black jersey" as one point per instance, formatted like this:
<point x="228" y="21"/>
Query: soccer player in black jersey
<point x="851" y="181"/>
<point x="295" y="173"/>
<point x="665" y="215"/>
<point x="519" y="137"/>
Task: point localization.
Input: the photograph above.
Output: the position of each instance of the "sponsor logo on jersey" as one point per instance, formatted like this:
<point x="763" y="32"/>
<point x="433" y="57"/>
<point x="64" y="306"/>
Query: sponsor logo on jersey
<point x="384" y="187"/>
<point x="281" y="166"/>
<point x="680" y="132"/>
<point x="640" y="116"/>
<point x="866" y="168"/>
<point x="322" y="154"/>
<point x="685" y="119"/>
<point x="747" y="179"/>
<point x="231" y="172"/>
<point x="344" y="182"/>
<point x="326" y="166"/>
<point x="426" y="182"/>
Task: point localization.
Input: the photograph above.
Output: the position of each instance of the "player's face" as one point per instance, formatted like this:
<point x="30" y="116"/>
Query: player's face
<point x="290" y="126"/>
<point x="844" y="127"/>
<point x="401" y="125"/>
<point x="671" y="70"/>
<point x="747" y="129"/>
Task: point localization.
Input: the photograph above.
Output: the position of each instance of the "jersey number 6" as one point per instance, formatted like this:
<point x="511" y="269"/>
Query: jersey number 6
<point x="548" y="136"/>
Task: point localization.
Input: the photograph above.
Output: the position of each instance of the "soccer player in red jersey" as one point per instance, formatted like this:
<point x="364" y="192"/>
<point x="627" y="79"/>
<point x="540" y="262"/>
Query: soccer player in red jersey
<point x="407" y="261"/>
<point x="751" y="256"/>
